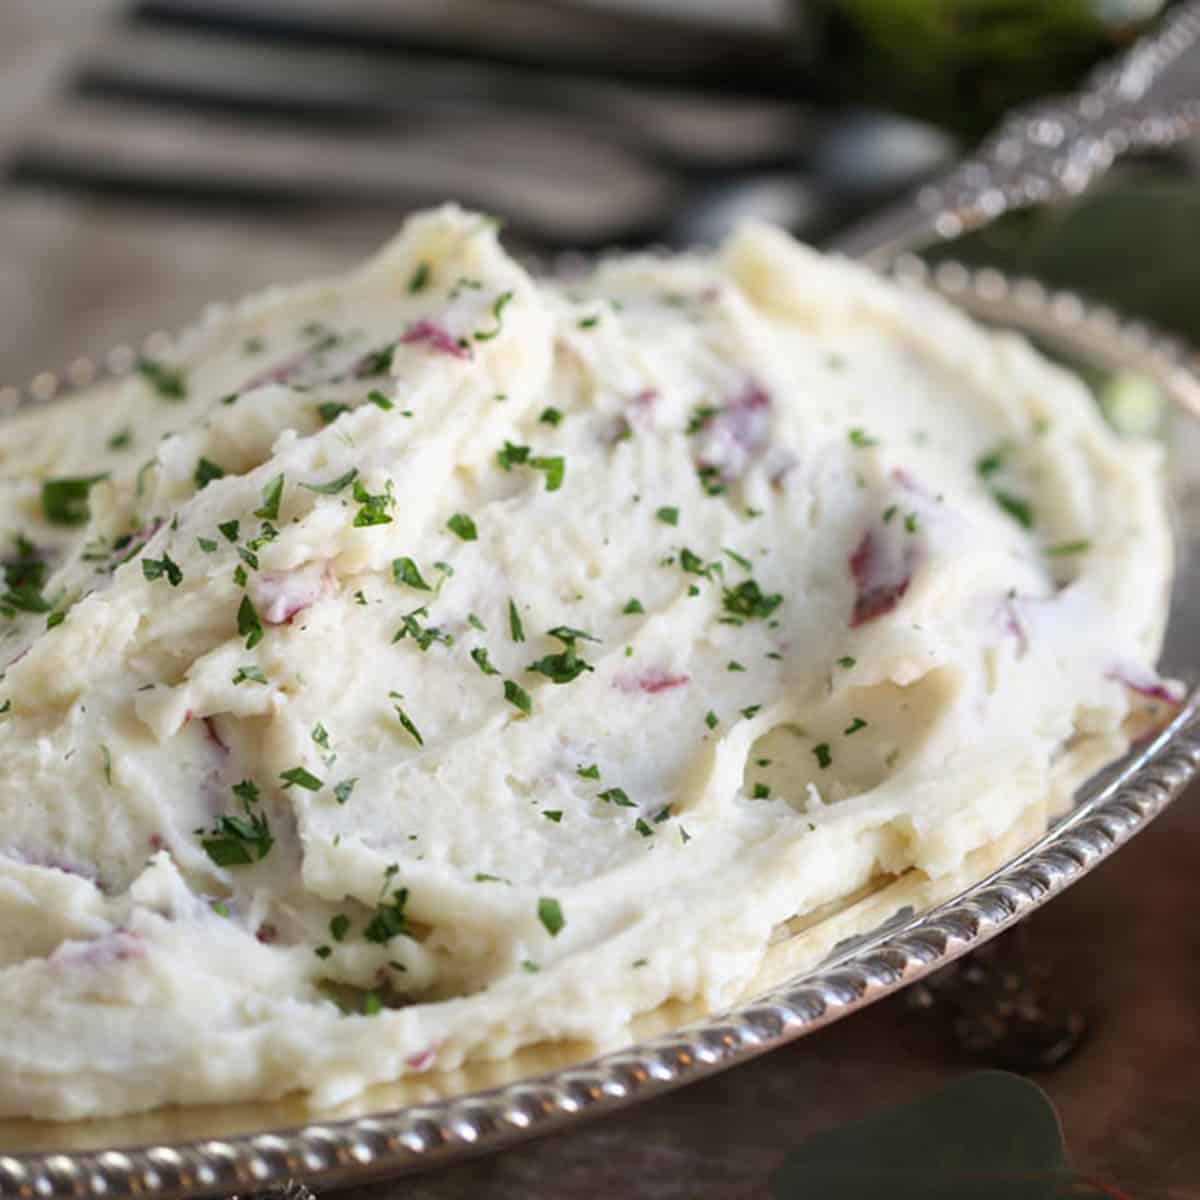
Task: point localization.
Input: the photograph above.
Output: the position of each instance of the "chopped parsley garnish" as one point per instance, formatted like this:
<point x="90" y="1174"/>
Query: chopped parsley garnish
<point x="694" y="564"/>
<point x="889" y="513"/>
<point x="248" y="624"/>
<point x="120" y="440"/>
<point x="235" y="840"/>
<point x="749" y="600"/>
<point x="486" y="335"/>
<point x="322" y="951"/>
<point x="377" y="362"/>
<point x="701" y="415"/>
<point x="762" y="791"/>
<point x="301" y="778"/>
<point x="405" y="719"/>
<point x="169" y="382"/>
<point x="529" y="966"/>
<point x="106" y="763"/>
<point x="206" y="471"/>
<point x="740" y="559"/>
<point x="589" y="322"/>
<point x="861" y="439"/>
<point x="512" y="455"/>
<point x="662" y="815"/>
<point x="823" y="756"/>
<point x="1064" y="549"/>
<point x="566" y="665"/>
<point x="991" y="462"/>
<point x="480" y="657"/>
<point x="617" y="796"/>
<point x="419" y="280"/>
<point x="339" y="926"/>
<point x="423" y="635"/>
<point x="667" y="515"/>
<point x="484" y="877"/>
<point x="207" y="545"/>
<point x="751" y="711"/>
<point x="388" y="919"/>
<point x="65" y="500"/>
<point x="550" y="416"/>
<point x="549" y="912"/>
<point x="846" y="661"/>
<point x="239" y="575"/>
<point x="157" y="568"/>
<point x="476" y="623"/>
<point x="272" y="493"/>
<point x="372" y="1004"/>
<point x="229" y="530"/>
<point x="554" y="467"/>
<point x="374" y="507"/>
<point x="515" y="628"/>
<point x="462" y="526"/>
<point x="55" y="619"/>
<point x="248" y="557"/>
<point x="710" y="480"/>
<point x="711" y="719"/>
<point x="642" y="828"/>
<point x="633" y="605"/>
<point x="342" y="791"/>
<point x="911" y="522"/>
<point x="855" y="725"/>
<point x="405" y="571"/>
<point x="589" y="772"/>
<point x="252" y="673"/>
<point x="334" y="485"/>
<point x="378" y="399"/>
<point x="331" y="410"/>
<point x="734" y="665"/>
<point x="518" y="696"/>
<point x="320" y="735"/>
<point x="1020" y="510"/>
<point x="554" y="815"/>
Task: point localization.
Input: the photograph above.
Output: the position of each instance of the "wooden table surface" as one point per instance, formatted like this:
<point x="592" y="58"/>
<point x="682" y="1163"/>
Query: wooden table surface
<point x="79" y="276"/>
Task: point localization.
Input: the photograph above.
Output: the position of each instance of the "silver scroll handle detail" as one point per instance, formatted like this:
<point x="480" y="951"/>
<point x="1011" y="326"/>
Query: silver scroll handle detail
<point x="1146" y="98"/>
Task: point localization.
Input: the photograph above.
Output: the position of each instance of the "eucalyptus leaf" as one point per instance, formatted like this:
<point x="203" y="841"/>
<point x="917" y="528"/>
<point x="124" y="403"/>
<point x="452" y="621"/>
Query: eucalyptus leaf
<point x="990" y="1136"/>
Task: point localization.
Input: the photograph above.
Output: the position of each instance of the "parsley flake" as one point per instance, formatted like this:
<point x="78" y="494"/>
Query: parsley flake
<point x="405" y="719"/>
<point x="566" y="665"/>
<point x="860" y="439"/>
<point x="642" y="828"/>
<point x="206" y="471"/>
<point x="480" y="657"/>
<point x="157" y="568"/>
<point x="252" y="673"/>
<point x="554" y="467"/>
<point x="272" y="493"/>
<point x="554" y="815"/>
<point x="667" y="515"/>
<point x="334" y="485"/>
<point x="121" y="440"/>
<point x="462" y="526"/>
<point x="511" y="455"/>
<point x="106" y="763"/>
<point x="405" y="571"/>
<point x="749" y="600"/>
<point x="589" y="772"/>
<point x="339" y="926"/>
<point x="549" y="912"/>
<point x="248" y="623"/>
<point x="1064" y="549"/>
<point x="515" y="628"/>
<point x="420" y="277"/>
<point x="229" y="530"/>
<point x="502" y="301"/>
<point x="762" y="791"/>
<point x="823" y="755"/>
<point x="207" y="545"/>
<point x="65" y="500"/>
<point x="633" y="605"/>
<point x="855" y="725"/>
<point x="1020" y="510"/>
<point x="374" y="507"/>
<point x="331" y="410"/>
<point x="518" y="696"/>
<point x="550" y="416"/>
<point x="169" y="382"/>
<point x="617" y="796"/>
<point x="343" y="790"/>
<point x="711" y="719"/>
<point x="846" y="661"/>
<point x="301" y="778"/>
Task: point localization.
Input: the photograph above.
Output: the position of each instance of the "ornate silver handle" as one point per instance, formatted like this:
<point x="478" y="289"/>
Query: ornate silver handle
<point x="1147" y="98"/>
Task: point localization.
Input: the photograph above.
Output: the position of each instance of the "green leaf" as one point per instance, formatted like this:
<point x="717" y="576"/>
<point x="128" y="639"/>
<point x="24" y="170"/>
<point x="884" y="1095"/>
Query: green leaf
<point x="518" y="696"/>
<point x="169" y="382"/>
<point x="554" y="467"/>
<point x="206" y="471"/>
<point x="462" y="526"/>
<point x="334" y="485"/>
<point x="405" y="571"/>
<point x="419" y="280"/>
<point x="990" y="1136"/>
<point x="301" y="778"/>
<point x="272" y="493"/>
<point x="65" y="500"/>
<point x="405" y="720"/>
<point x="248" y="623"/>
<point x="550" y="914"/>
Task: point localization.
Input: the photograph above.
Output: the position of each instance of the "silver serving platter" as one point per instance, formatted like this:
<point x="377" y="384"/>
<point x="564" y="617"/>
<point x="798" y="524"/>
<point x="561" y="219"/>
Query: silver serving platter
<point x="433" y="1120"/>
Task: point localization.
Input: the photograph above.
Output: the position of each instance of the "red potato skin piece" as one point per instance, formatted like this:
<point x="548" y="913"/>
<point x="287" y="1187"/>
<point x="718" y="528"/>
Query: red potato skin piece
<point x="650" y="682"/>
<point x="877" y="592"/>
<point x="436" y="337"/>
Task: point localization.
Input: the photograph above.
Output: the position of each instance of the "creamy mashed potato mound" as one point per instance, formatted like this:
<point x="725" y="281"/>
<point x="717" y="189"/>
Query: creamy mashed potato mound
<point x="416" y="665"/>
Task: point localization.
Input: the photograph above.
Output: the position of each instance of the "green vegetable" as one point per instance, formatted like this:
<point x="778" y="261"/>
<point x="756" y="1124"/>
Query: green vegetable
<point x="272" y="493"/>
<point x="248" y="624"/>
<point x="480" y="657"/>
<point x="420" y="278"/>
<point x="405" y="720"/>
<point x="65" y="500"/>
<point x="374" y="507"/>
<point x="301" y="778"/>
<point x="550" y="914"/>
<point x="667" y="515"/>
<point x="518" y="696"/>
<point x="206" y="471"/>
<point x="252" y="673"/>
<point x="334" y="485"/>
<point x="405" y="571"/>
<point x="462" y="526"/>
<point x="342" y="791"/>
<point x="169" y="382"/>
<point x="156" y="568"/>
<point x="502" y="301"/>
<point x="515" y="628"/>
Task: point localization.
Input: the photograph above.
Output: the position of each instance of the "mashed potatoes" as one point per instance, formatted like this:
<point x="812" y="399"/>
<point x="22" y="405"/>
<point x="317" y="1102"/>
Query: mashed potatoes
<point x="435" y="660"/>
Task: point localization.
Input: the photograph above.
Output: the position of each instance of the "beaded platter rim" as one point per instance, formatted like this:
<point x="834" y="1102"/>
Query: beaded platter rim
<point x="858" y="973"/>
